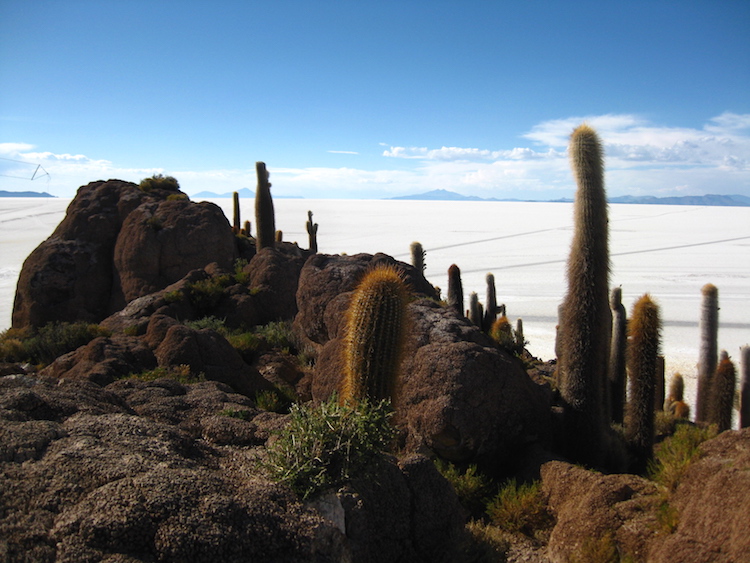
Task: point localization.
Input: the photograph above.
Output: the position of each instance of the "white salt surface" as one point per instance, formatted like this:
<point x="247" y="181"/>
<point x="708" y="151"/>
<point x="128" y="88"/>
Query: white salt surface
<point x="667" y="251"/>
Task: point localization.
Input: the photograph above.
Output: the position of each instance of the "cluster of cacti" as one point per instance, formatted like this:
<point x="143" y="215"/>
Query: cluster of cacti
<point x="584" y="333"/>
<point x="376" y="330"/>
<point x="643" y="350"/>
<point x="455" y="289"/>
<point x="709" y="349"/>
<point x="616" y="370"/>
<point x="312" y="233"/>
<point x="265" y="220"/>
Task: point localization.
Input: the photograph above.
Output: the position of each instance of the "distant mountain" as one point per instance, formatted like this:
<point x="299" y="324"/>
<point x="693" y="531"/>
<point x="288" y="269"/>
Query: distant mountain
<point x="244" y="192"/>
<point x="445" y="195"/>
<point x="3" y="193"/>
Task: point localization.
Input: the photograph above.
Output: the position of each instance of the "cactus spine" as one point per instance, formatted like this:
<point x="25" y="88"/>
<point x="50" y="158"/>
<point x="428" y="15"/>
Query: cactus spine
<point x="586" y="320"/>
<point x="375" y="335"/>
<point x="709" y="349"/>
<point x="265" y="221"/>
<point x="236" y="223"/>
<point x="722" y="394"/>
<point x="455" y="289"/>
<point x="490" y="311"/>
<point x="644" y="332"/>
<point x="616" y="373"/>
<point x="312" y="233"/>
<point x="745" y="387"/>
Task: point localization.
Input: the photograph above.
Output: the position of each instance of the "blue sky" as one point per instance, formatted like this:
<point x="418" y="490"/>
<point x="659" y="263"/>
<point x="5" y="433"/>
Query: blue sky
<point x="356" y="99"/>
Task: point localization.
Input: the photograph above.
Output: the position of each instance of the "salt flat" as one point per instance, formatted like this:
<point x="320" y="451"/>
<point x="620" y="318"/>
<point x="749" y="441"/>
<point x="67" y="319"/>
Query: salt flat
<point x="667" y="251"/>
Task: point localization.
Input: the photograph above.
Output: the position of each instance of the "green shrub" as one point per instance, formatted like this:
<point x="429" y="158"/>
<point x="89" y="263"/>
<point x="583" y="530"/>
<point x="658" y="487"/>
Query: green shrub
<point x="159" y="182"/>
<point x="181" y="373"/>
<point x="236" y="413"/>
<point x="275" y="400"/>
<point x="206" y="294"/>
<point x="600" y="550"/>
<point x="326" y="445"/>
<point x="239" y="275"/>
<point x="676" y="453"/>
<point x="520" y="508"/>
<point x="173" y="296"/>
<point x="55" y="339"/>
<point x="472" y="488"/>
<point x="214" y="323"/>
<point x="178" y="197"/>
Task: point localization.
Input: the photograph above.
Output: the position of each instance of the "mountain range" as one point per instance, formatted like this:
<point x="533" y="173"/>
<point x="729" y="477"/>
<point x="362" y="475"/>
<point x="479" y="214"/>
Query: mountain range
<point x="4" y="193"/>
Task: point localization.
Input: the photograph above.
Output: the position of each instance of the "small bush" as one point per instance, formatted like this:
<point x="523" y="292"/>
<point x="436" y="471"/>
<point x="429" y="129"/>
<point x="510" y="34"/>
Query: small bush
<point x="667" y="517"/>
<point x="206" y="294"/>
<point x="181" y="373"/>
<point x="235" y="413"/>
<point x="488" y="544"/>
<point x="601" y="550"/>
<point x="239" y="275"/>
<point x="326" y="445"/>
<point x="173" y="296"/>
<point x="520" y="508"/>
<point x="53" y="340"/>
<point x="676" y="453"/>
<point x="275" y="400"/>
<point x="159" y="182"/>
<point x="472" y="488"/>
<point x="178" y="197"/>
<point x="214" y="323"/>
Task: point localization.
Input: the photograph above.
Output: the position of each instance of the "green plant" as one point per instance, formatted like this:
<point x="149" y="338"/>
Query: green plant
<point x="154" y="222"/>
<point x="520" y="508"/>
<point x="643" y="349"/>
<point x="265" y="219"/>
<point x="214" y="323"/>
<point x="616" y="369"/>
<point x="205" y="294"/>
<point x="667" y="517"/>
<point x="472" y="487"/>
<point x="173" y="296"/>
<point x="708" y="355"/>
<point x="375" y="335"/>
<point x="312" y="232"/>
<point x="475" y="309"/>
<point x="58" y="338"/>
<point x="488" y="544"/>
<point x="502" y="333"/>
<point x="417" y="257"/>
<point x="600" y="550"/>
<point x="584" y="333"/>
<point x="490" y="305"/>
<point x="676" y="453"/>
<point x="325" y="446"/>
<point x="277" y="400"/>
<point x="159" y="182"/>
<point x="242" y="414"/>
<point x="455" y="290"/>
<point x="722" y="394"/>
<point x="240" y="276"/>
<point x="236" y="224"/>
<point x="181" y="373"/>
<point x="178" y="197"/>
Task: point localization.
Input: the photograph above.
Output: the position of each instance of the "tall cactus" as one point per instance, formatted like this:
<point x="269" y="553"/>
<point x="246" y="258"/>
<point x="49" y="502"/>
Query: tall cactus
<point x="659" y="389"/>
<point x="236" y="225"/>
<point x="643" y="349"/>
<point x="375" y="335"/>
<point x="709" y="349"/>
<point x="722" y="394"/>
<point x="417" y="257"/>
<point x="476" y="312"/>
<point x="455" y="289"/>
<point x="745" y="387"/>
<point x="520" y="341"/>
<point x="616" y="372"/>
<point x="490" y="311"/>
<point x="312" y="233"/>
<point x="586" y="320"/>
<point x="677" y="406"/>
<point x="265" y="220"/>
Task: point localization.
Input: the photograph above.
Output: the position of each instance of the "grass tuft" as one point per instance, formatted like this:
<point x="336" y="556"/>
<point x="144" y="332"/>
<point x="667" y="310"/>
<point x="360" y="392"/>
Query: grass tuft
<point x="520" y="508"/>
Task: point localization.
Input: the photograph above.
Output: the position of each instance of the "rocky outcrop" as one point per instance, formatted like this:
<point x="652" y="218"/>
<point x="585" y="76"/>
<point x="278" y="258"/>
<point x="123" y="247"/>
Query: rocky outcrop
<point x="117" y="243"/>
<point x="459" y="394"/>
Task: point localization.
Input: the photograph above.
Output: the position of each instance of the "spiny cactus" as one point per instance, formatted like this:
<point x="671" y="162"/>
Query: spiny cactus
<point x="709" y="349"/>
<point x="676" y="405"/>
<point x="490" y="310"/>
<point x="616" y="372"/>
<point x="722" y="394"/>
<point x="476" y="312"/>
<point x="586" y="320"/>
<point x="520" y="342"/>
<point x="375" y="335"/>
<point x="265" y="220"/>
<point x="502" y="333"/>
<point x="417" y="257"/>
<point x="643" y="349"/>
<point x="247" y="229"/>
<point x="236" y="222"/>
<point x="455" y="289"/>
<point x="660" y="384"/>
<point x="279" y="237"/>
<point x="745" y="387"/>
<point x="312" y="233"/>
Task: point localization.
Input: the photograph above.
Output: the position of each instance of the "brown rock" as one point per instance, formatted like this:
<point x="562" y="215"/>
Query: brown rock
<point x="273" y="276"/>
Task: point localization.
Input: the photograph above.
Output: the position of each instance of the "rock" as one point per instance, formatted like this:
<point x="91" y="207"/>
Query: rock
<point x="713" y="503"/>
<point x="273" y="277"/>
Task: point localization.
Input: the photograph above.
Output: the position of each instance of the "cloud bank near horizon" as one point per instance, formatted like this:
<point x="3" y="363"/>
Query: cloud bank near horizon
<point x="641" y="158"/>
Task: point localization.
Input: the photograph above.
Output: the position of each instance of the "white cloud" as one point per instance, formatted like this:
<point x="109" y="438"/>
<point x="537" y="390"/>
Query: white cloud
<point x="343" y="152"/>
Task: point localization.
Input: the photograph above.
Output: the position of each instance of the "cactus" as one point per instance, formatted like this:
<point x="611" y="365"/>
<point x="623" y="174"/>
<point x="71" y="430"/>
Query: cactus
<point x="659" y="384"/>
<point x="745" y="387"/>
<point x="312" y="232"/>
<point x="247" y="229"/>
<point x="417" y="257"/>
<point x="279" y="236"/>
<point x="265" y="221"/>
<point x="722" y="394"/>
<point x="520" y="342"/>
<point x="676" y="405"/>
<point x="502" y="333"/>
<point x="643" y="349"/>
<point x="375" y="336"/>
<point x="475" y="309"/>
<point x="708" y="355"/>
<point x="584" y="333"/>
<point x="616" y="370"/>
<point x="490" y="311"/>
<point x="236" y="222"/>
<point x="455" y="289"/>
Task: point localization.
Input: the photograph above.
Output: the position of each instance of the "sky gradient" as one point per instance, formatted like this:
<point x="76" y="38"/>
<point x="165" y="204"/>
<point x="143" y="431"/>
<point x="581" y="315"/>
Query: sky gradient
<point x="375" y="99"/>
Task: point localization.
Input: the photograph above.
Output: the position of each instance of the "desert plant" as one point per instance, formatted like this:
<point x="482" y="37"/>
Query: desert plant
<point x="660" y="384"/>
<point x="279" y="237"/>
<point x="265" y="220"/>
<point x="476" y="312"/>
<point x="745" y="387"/>
<point x="520" y="341"/>
<point x="676" y="453"/>
<point x="159" y="182"/>
<point x="247" y="229"/>
<point x="312" y="233"/>
<point x="205" y="294"/>
<point x="584" y="331"/>
<point x="455" y="290"/>
<point x="722" y="394"/>
<point x="490" y="304"/>
<point x="236" y="224"/>
<point x="616" y="368"/>
<point x="709" y="349"/>
<point x="274" y="400"/>
<point x="178" y="197"/>
<point x="375" y="335"/>
<point x="602" y="549"/>
<point x="181" y="373"/>
<point x="417" y="257"/>
<point x="502" y="333"/>
<point x="57" y="338"/>
<point x="326" y="445"/>
<point x="489" y="543"/>
<point x="643" y="348"/>
<point x="472" y="487"/>
<point x="520" y="508"/>
<point x="242" y="414"/>
<point x="676" y="405"/>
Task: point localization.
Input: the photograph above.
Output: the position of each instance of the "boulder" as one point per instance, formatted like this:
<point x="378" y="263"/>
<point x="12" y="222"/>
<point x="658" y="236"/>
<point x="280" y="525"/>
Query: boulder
<point x="273" y="275"/>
